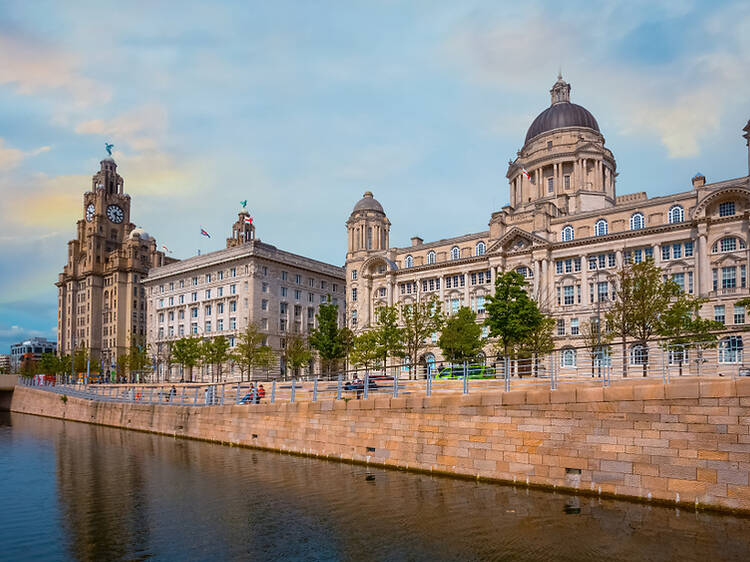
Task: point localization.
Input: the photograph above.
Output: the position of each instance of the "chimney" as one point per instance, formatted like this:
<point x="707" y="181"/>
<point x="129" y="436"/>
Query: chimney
<point x="416" y="241"/>
<point x="699" y="180"/>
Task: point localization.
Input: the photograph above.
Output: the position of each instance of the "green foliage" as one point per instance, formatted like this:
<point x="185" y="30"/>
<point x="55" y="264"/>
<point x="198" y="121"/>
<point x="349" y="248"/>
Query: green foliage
<point x="64" y="399"/>
<point x="215" y="352"/>
<point x="511" y="314"/>
<point x="420" y="320"/>
<point x="595" y="341"/>
<point x="80" y="359"/>
<point x="461" y="339"/>
<point x="365" y="351"/>
<point x="50" y="364"/>
<point x="250" y="352"/>
<point x="388" y="335"/>
<point x="328" y="339"/>
<point x="187" y="353"/>
<point x="538" y="343"/>
<point x="137" y="360"/>
<point x="297" y="352"/>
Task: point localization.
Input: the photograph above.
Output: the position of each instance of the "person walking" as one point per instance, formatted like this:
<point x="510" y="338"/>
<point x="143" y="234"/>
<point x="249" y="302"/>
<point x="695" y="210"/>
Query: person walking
<point x="261" y="393"/>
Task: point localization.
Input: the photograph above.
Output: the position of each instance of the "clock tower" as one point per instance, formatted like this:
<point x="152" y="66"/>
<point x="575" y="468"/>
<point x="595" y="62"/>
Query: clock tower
<point x="101" y="304"/>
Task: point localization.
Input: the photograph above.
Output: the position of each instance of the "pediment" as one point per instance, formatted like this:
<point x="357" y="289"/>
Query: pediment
<point x="516" y="241"/>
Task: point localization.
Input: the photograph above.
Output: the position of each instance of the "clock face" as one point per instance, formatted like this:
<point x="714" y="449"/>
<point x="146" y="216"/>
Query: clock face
<point x="115" y="214"/>
<point x="90" y="212"/>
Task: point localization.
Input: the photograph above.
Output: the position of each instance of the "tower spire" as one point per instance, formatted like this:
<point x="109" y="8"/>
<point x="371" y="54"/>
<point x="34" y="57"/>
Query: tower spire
<point x="560" y="92"/>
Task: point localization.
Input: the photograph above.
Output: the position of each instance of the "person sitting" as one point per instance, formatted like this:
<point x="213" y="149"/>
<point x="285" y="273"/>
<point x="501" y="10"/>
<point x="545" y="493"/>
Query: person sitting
<point x="261" y="393"/>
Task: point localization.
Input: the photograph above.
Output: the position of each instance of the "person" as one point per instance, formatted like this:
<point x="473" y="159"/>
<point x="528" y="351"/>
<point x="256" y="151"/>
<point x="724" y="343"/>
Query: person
<point x="261" y="393"/>
<point x="172" y="393"/>
<point x="251" y="392"/>
<point x="357" y="384"/>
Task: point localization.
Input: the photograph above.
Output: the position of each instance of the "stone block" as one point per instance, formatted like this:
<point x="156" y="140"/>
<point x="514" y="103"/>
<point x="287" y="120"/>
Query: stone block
<point x="616" y="466"/>
<point x="538" y="396"/>
<point x="717" y="388"/>
<point x="688" y="489"/>
<point x="619" y="392"/>
<point x="682" y="389"/>
<point x="742" y="388"/>
<point x="648" y="391"/>
<point x="674" y="471"/>
<point x="514" y="398"/>
<point x="594" y="394"/>
<point x="563" y="395"/>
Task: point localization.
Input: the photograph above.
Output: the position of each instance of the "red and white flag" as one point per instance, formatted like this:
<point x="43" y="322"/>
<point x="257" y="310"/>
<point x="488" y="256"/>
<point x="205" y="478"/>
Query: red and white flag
<point x="248" y="220"/>
<point x="163" y="247"/>
<point x="525" y="173"/>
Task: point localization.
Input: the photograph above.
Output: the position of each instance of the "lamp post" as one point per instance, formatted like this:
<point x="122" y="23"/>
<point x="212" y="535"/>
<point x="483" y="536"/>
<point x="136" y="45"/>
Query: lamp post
<point x="598" y="324"/>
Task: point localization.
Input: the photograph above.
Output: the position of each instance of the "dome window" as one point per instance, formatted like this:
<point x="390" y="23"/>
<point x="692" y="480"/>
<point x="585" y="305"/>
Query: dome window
<point x="455" y="253"/>
<point x="637" y="221"/>
<point x="568" y="234"/>
<point x="726" y="209"/>
<point x="480" y="249"/>
<point x="676" y="214"/>
<point x="601" y="228"/>
<point x="430" y="257"/>
<point x="409" y="262"/>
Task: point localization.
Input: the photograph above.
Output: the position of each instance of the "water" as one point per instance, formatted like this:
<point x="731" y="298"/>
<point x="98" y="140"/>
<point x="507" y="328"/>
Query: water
<point x="73" y="491"/>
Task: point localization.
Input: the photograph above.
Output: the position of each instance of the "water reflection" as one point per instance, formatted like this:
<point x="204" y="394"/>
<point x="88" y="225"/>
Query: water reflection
<point x="127" y="495"/>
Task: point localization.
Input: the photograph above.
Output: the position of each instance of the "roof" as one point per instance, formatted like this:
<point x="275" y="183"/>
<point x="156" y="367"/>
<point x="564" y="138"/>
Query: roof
<point x="368" y="203"/>
<point x="559" y="116"/>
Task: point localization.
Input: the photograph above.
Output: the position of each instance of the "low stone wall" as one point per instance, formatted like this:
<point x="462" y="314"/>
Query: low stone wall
<point x="687" y="442"/>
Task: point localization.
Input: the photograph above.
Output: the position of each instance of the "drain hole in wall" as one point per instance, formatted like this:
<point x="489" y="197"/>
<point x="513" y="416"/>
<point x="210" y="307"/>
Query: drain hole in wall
<point x="572" y="471"/>
<point x="255" y="435"/>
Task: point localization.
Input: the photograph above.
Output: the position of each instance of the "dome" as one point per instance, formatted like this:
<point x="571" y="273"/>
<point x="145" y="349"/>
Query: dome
<point x="368" y="203"/>
<point x="560" y="115"/>
<point x="138" y="231"/>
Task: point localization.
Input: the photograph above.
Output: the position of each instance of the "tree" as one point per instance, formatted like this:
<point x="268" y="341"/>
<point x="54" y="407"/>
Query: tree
<point x="165" y="355"/>
<point x="511" y="314"/>
<point x="365" y="351"/>
<point x="538" y="343"/>
<point x="187" y="353"/>
<point x="461" y="339"/>
<point x="297" y="353"/>
<point x="685" y="329"/>
<point x="595" y="340"/>
<point x="215" y="352"/>
<point x="328" y="339"/>
<point x="388" y="335"/>
<point x="249" y="350"/>
<point x="420" y="320"/>
<point x="80" y="359"/>
<point x="137" y="360"/>
<point x="640" y="303"/>
<point x="50" y="364"/>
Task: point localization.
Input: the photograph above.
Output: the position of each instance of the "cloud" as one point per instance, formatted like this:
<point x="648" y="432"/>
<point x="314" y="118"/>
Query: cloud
<point x="54" y="202"/>
<point x="33" y="67"/>
<point x="12" y="157"/>
<point x="142" y="128"/>
<point x="680" y="100"/>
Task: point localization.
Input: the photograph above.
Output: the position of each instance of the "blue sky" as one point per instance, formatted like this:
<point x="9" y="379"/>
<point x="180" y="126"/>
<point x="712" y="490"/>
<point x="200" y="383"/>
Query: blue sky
<point x="300" y="107"/>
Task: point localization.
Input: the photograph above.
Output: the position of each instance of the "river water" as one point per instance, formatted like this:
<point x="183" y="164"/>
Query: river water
<point x="73" y="491"/>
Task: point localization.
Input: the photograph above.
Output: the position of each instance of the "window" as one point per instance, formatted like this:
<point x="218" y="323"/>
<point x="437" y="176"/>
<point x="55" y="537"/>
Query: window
<point x="232" y="323"/>
<point x="208" y="310"/>
<point x="728" y="244"/>
<point x="550" y="184"/>
<point x="637" y="221"/>
<point x="676" y="251"/>
<point x="719" y="313"/>
<point x="233" y="272"/>
<point x="264" y="304"/>
<point x="264" y="324"/>
<point x="354" y="274"/>
<point x="220" y="308"/>
<point x="739" y="314"/>
<point x="574" y="326"/>
<point x="480" y="305"/>
<point x="264" y="287"/>
<point x="207" y="326"/>
<point x="566" y="179"/>
<point x="194" y="296"/>
<point x="638" y="355"/>
<point x="430" y="257"/>
<point x="232" y="289"/>
<point x="208" y="277"/>
<point x="354" y="294"/>
<point x="729" y="277"/>
<point x="455" y="253"/>
<point x="560" y="326"/>
<point x="689" y="249"/>
<point x="220" y="275"/>
<point x="730" y="350"/>
<point x="601" y="227"/>
<point x="194" y="312"/>
<point x="676" y="214"/>
<point x="233" y="306"/>
<point x="726" y="209"/>
<point x="297" y="294"/>
<point x="282" y="325"/>
<point x="568" y="294"/>
<point x="195" y="281"/>
<point x="283" y="308"/>
<point x="208" y="293"/>
<point x="409" y="261"/>
<point x="381" y="291"/>
<point x="298" y="279"/>
<point x="219" y="325"/>
<point x="523" y="270"/>
<point x="665" y="251"/>
<point x="568" y="358"/>
<point x="480" y="248"/>
<point x="679" y="278"/>
<point x="283" y="291"/>
<point x="567" y="233"/>
<point x="454" y="306"/>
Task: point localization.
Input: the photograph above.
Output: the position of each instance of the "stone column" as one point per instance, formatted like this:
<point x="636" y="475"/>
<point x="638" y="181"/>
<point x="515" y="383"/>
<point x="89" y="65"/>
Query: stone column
<point x="585" y="278"/>
<point x="544" y="285"/>
<point x="703" y="281"/>
<point x="555" y="176"/>
<point x="537" y="280"/>
<point x="368" y="300"/>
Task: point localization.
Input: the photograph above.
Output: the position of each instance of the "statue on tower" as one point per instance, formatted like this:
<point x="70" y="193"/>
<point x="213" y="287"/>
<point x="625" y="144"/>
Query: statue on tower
<point x="108" y="147"/>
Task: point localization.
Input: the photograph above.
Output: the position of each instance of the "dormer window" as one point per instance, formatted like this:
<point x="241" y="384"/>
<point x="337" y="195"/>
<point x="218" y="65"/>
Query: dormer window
<point x="676" y="214"/>
<point x="601" y="228"/>
<point x="726" y="209"/>
<point x="455" y="253"/>
<point x="567" y="234"/>
<point x="430" y="257"/>
<point x="409" y="261"/>
<point x="480" y="249"/>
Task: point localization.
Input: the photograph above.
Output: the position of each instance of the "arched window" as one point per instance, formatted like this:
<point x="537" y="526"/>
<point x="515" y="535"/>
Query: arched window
<point x="430" y="257"/>
<point x="567" y="233"/>
<point x="480" y="249"/>
<point x="409" y="261"/>
<point x="676" y="214"/>
<point x="728" y="244"/>
<point x="568" y="358"/>
<point x="730" y="350"/>
<point x="638" y="355"/>
<point x="637" y="221"/>
<point x="525" y="271"/>
<point x="455" y="253"/>
<point x="601" y="228"/>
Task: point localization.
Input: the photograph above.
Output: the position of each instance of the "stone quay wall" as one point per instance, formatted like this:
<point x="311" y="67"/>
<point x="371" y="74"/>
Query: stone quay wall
<point x="687" y="442"/>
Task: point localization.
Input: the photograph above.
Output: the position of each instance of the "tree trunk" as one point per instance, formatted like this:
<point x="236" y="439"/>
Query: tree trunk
<point x="624" y="358"/>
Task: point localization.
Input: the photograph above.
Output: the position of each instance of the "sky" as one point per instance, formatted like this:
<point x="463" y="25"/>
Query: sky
<point x="300" y="107"/>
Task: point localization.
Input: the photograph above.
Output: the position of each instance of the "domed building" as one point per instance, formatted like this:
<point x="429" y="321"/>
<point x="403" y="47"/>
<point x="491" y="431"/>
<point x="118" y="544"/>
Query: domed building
<point x="568" y="233"/>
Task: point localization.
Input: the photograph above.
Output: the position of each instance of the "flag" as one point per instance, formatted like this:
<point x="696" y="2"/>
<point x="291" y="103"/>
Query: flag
<point x="163" y="247"/>
<point x="525" y="173"/>
<point x="243" y="203"/>
<point x="204" y="233"/>
<point x="248" y="220"/>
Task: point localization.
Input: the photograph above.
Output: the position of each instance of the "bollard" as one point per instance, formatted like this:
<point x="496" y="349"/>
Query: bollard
<point x="466" y="378"/>
<point x="315" y="390"/>
<point x="239" y="394"/>
<point x="367" y="384"/>
<point x="294" y="386"/>
<point x="429" y="381"/>
<point x="338" y="387"/>
<point x="222" y="394"/>
<point x="395" y="383"/>
<point x="182" y="397"/>
<point x="195" y="400"/>
<point x="273" y="391"/>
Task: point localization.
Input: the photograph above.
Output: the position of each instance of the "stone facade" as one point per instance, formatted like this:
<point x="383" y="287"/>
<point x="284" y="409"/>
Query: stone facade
<point x="567" y="232"/>
<point x="220" y="293"/>
<point x="686" y="442"/>
<point x="101" y="304"/>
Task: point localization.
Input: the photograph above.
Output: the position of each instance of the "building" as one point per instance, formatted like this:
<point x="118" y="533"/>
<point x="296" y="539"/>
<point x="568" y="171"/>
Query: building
<point x="567" y="232"/>
<point x="101" y="303"/>
<point x="221" y="292"/>
<point x="5" y="363"/>
<point x="31" y="349"/>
